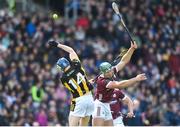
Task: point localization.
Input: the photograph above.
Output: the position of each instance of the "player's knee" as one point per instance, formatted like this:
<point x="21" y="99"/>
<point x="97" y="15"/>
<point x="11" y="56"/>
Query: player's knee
<point x="84" y="121"/>
<point x="73" y="121"/>
<point x="98" y="122"/>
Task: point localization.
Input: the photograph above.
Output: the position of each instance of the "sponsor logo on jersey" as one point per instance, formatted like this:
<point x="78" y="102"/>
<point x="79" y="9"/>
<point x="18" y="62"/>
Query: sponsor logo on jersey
<point x="69" y="73"/>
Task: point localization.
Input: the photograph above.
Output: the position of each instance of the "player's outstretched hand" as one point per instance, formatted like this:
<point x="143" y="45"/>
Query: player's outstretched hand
<point x="134" y="45"/>
<point x="130" y="115"/>
<point x="141" y="77"/>
<point x="53" y="43"/>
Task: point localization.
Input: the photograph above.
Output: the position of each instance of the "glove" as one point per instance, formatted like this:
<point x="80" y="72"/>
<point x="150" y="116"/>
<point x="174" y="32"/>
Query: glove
<point x="53" y="43"/>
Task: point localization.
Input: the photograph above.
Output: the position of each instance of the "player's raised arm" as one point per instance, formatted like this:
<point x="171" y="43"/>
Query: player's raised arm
<point x="72" y="53"/>
<point x="126" y="58"/>
<point x="126" y="83"/>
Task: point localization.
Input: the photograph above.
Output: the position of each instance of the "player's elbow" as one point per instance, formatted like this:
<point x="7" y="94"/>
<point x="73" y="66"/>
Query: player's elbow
<point x="71" y="50"/>
<point x="128" y="101"/>
<point x="112" y="85"/>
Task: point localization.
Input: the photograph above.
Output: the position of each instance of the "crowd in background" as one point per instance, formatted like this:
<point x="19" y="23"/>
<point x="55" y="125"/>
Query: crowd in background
<point x="30" y="89"/>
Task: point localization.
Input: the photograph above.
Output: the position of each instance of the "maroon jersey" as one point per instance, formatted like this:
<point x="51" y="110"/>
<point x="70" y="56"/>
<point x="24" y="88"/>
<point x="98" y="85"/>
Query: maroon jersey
<point x="115" y="103"/>
<point x="104" y="94"/>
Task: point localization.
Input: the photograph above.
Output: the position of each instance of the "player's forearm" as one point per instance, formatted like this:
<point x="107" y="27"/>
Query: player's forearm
<point x="72" y="53"/>
<point x="126" y="58"/>
<point x="65" y="48"/>
<point x="130" y="105"/>
<point x="126" y="83"/>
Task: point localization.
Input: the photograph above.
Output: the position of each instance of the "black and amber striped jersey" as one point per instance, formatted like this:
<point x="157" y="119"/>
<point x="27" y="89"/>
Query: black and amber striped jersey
<point x="75" y="80"/>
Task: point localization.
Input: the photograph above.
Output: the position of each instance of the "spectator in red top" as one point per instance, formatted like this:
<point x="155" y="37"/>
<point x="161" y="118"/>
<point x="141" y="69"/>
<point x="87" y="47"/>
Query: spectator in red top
<point x="172" y="82"/>
<point x="83" y="22"/>
<point x="174" y="62"/>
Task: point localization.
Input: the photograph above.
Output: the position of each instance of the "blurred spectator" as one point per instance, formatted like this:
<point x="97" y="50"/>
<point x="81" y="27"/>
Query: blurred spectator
<point x="37" y="93"/>
<point x="31" y="28"/>
<point x="42" y="118"/>
<point x="3" y="118"/>
<point x="83" y="22"/>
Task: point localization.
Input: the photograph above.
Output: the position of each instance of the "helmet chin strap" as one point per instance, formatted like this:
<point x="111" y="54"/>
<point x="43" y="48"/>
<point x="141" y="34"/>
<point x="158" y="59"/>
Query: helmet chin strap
<point x="105" y="75"/>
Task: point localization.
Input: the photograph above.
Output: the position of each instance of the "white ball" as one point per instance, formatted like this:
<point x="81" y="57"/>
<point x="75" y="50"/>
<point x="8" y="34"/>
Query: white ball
<point x="55" y="16"/>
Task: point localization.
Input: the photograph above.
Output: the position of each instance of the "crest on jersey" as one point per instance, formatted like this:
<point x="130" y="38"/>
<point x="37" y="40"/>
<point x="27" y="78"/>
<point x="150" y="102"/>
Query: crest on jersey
<point x="114" y="95"/>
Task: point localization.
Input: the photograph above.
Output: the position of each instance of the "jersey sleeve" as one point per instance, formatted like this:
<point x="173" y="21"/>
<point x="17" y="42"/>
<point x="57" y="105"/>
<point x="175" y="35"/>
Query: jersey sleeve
<point x="102" y="83"/>
<point x="120" y="94"/>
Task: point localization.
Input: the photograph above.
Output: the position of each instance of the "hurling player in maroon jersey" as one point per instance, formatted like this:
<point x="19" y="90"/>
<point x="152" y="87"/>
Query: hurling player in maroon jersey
<point x="105" y="86"/>
<point x="115" y="105"/>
